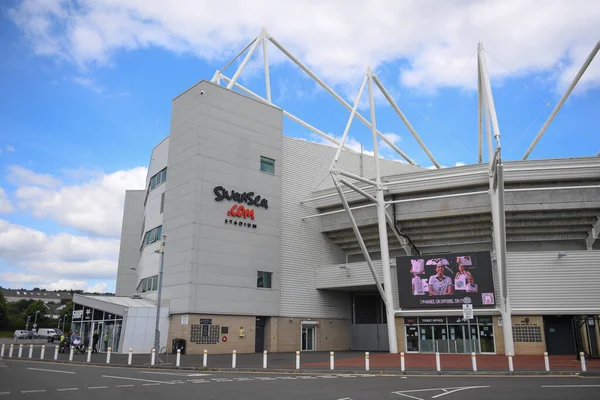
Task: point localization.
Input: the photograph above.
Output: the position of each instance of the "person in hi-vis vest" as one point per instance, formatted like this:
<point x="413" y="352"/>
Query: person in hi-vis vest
<point x="461" y="278"/>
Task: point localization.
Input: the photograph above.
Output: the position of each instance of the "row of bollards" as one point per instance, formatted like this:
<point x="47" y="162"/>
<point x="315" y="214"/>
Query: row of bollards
<point x="438" y="366"/>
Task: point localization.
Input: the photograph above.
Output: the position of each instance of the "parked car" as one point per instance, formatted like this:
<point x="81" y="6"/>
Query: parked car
<point x="20" y="334"/>
<point x="48" y="333"/>
<point x="23" y="334"/>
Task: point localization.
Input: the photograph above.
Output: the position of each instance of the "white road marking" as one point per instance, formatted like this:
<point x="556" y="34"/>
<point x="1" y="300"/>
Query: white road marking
<point x="121" y="386"/>
<point x="1" y="393"/>
<point x="136" y="379"/>
<point x="97" y="387"/>
<point x="66" y="389"/>
<point x="33" y="391"/>
<point x="150" y="384"/>
<point x="345" y="398"/>
<point x="568" y="386"/>
<point x="243" y="379"/>
<point x="51" y="370"/>
<point x="445" y="391"/>
<point x="199" y="381"/>
<point x="174" y="373"/>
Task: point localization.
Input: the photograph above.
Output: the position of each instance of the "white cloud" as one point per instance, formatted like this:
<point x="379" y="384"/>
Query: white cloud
<point x="94" y="206"/>
<point x="88" y="84"/>
<point x="53" y="257"/>
<point x="20" y="280"/>
<point x="392" y="137"/>
<point x="337" y="38"/>
<point x="5" y="203"/>
<point x="20" y="176"/>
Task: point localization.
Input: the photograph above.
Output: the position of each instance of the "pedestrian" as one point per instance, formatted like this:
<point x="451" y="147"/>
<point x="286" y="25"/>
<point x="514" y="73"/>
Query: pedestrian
<point x="95" y="339"/>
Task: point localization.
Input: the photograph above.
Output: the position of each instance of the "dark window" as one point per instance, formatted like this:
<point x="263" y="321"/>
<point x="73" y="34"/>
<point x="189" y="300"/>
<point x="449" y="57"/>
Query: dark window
<point x="224" y="330"/>
<point x="264" y="279"/>
<point x="267" y="165"/>
<point x="369" y="309"/>
<point x="162" y="203"/>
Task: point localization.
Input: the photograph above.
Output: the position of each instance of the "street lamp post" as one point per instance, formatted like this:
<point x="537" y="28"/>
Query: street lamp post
<point x="159" y="295"/>
<point x="35" y="319"/>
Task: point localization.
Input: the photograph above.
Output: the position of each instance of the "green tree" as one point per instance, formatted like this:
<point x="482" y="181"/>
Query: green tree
<point x="3" y="312"/>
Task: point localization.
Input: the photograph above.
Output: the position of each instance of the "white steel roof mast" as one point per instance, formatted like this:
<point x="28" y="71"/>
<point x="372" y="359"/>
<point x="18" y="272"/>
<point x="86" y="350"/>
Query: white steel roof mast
<point x="263" y="38"/>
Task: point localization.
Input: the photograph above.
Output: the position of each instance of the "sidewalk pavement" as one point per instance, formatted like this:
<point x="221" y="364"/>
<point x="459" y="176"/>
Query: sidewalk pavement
<point x="344" y="361"/>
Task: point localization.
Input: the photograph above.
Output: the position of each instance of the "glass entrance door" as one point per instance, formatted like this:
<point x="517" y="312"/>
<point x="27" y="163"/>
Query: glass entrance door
<point x="457" y="343"/>
<point x="412" y="338"/>
<point x="308" y="338"/>
<point x="486" y="339"/>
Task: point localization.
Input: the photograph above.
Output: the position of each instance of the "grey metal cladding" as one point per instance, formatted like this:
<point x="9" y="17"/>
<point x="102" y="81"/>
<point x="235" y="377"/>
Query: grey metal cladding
<point x="306" y="169"/>
<point x="129" y="250"/>
<point x="217" y="139"/>
<point x="549" y="284"/>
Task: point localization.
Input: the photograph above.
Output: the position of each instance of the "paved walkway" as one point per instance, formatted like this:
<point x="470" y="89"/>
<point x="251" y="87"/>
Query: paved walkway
<point x="344" y="360"/>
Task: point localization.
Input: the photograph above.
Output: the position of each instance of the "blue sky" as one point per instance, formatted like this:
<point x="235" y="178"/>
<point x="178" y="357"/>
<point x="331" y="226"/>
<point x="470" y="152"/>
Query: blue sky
<point x="87" y="89"/>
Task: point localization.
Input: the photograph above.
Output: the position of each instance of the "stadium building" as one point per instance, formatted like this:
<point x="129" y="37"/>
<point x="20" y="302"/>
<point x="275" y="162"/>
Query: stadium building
<point x="267" y="242"/>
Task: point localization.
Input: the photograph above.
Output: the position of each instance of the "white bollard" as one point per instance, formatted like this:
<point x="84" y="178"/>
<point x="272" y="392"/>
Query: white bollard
<point x="178" y="359"/>
<point x="205" y="358"/>
<point x="438" y="367"/>
<point x="474" y="361"/>
<point x="30" y="351"/>
<point x="20" y="350"/>
<point x="130" y="358"/>
<point x="153" y="357"/>
<point x="10" y="351"/>
<point x="367" y="366"/>
<point x="331" y="360"/>
<point x="56" y="353"/>
<point x="2" y="351"/>
<point x="265" y="359"/>
<point x="89" y="357"/>
<point x="510" y="362"/>
<point x="402" y="365"/>
<point x="582" y="359"/>
<point x="546" y="361"/>
<point x="43" y="352"/>
<point x="71" y="353"/>
<point x="233" y="359"/>
<point x="108" y="351"/>
<point x="297" y="360"/>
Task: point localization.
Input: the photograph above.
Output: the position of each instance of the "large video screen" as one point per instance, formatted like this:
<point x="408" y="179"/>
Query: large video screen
<point x="446" y="280"/>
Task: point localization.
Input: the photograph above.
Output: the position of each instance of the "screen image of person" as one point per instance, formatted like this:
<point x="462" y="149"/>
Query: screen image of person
<point x="461" y="278"/>
<point x="440" y="284"/>
<point x="417" y="286"/>
<point x="471" y="286"/>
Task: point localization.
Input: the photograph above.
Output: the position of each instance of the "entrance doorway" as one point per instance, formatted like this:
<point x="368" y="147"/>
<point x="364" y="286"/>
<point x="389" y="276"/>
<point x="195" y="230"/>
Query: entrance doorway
<point x="308" y="338"/>
<point x="259" y="341"/>
<point x="559" y="334"/>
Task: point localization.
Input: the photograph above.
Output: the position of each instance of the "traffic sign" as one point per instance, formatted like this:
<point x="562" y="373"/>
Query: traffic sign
<point x="35" y="325"/>
<point x="468" y="311"/>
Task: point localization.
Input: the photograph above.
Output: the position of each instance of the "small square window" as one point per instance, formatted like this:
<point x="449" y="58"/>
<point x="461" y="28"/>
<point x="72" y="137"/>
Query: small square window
<point x="264" y="279"/>
<point x="267" y="165"/>
<point x="224" y="330"/>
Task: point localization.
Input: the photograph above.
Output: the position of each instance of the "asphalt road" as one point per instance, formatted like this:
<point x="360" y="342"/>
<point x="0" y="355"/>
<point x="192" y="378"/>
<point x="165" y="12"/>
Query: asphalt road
<point x="20" y="379"/>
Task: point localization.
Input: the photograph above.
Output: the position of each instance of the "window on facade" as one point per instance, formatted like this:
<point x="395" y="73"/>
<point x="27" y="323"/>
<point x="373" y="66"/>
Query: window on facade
<point x="148" y="284"/>
<point x="264" y="279"/>
<point x="158" y="179"/>
<point x="267" y="165"/>
<point x="153" y="235"/>
<point x="162" y="203"/>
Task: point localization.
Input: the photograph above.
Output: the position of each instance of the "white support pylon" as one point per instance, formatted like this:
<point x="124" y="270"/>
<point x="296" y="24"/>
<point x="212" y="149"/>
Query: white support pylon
<point x="382" y="225"/>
